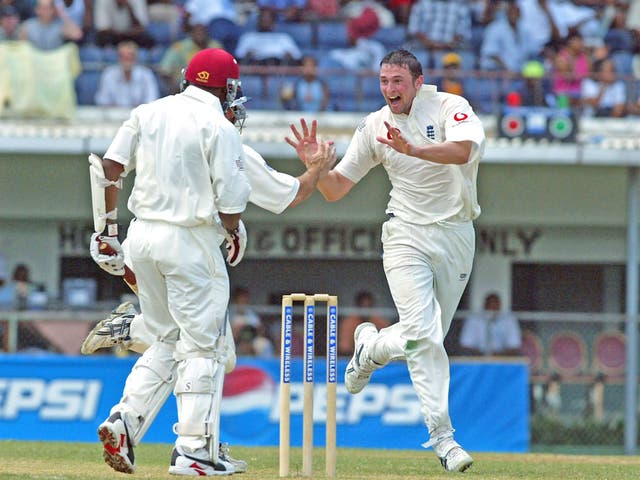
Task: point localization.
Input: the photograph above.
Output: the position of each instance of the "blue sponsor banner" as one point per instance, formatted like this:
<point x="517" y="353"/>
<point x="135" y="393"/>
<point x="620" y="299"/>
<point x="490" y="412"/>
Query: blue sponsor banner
<point x="54" y="397"/>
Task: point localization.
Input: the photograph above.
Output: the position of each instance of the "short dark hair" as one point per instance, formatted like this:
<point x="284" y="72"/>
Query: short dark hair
<point x="403" y="58"/>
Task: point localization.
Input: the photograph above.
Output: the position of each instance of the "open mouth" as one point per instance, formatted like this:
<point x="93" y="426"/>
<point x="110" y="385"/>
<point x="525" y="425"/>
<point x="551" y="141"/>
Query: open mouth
<point x="394" y="101"/>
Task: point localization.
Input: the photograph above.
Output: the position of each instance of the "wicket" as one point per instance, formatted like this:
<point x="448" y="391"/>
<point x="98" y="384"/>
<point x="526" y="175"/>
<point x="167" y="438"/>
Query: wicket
<point x="285" y="381"/>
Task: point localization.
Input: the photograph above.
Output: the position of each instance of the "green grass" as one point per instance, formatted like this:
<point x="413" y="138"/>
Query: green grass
<point x="61" y="461"/>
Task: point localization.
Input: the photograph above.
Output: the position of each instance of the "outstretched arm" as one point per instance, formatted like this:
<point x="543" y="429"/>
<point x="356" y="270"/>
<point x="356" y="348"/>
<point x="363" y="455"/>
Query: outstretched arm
<point x="321" y="161"/>
<point x="446" y="153"/>
<point x="331" y="184"/>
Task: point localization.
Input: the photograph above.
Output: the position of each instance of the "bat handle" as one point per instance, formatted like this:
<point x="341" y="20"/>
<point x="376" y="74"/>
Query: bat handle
<point x="129" y="276"/>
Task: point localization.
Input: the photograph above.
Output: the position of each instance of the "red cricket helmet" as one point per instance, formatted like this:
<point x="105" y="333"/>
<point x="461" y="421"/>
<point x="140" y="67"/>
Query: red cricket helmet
<point x="212" y="67"/>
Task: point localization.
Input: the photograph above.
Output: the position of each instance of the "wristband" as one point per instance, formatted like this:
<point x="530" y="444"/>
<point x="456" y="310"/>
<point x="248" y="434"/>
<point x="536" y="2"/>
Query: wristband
<point x="112" y="229"/>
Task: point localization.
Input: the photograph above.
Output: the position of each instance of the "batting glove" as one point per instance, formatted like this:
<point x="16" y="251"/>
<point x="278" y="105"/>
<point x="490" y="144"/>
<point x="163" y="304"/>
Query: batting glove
<point x="236" y="244"/>
<point x="107" y="252"/>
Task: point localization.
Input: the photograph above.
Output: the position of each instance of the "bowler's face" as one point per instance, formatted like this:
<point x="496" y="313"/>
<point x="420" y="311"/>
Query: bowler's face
<point x="398" y="87"/>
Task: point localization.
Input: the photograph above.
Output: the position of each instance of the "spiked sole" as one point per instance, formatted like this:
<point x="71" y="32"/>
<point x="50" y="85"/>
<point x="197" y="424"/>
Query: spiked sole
<point x="111" y="452"/>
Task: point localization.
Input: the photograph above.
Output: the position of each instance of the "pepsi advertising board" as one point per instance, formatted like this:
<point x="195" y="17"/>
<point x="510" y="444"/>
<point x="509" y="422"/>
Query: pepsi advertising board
<point x="52" y="397"/>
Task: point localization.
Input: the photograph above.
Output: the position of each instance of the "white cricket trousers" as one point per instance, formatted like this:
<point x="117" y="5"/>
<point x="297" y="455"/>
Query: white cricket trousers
<point x="183" y="292"/>
<point x="427" y="268"/>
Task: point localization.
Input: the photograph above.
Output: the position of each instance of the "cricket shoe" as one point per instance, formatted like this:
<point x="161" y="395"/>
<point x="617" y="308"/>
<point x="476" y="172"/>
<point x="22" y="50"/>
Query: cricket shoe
<point x="224" y="454"/>
<point x="360" y="367"/>
<point x="198" y="463"/>
<point x="118" y="451"/>
<point x="112" y="331"/>
<point x="452" y="456"/>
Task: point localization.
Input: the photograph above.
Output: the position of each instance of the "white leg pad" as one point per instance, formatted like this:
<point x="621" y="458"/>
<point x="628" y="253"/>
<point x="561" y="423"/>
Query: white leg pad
<point x="141" y="339"/>
<point x="196" y="390"/>
<point x="147" y="387"/>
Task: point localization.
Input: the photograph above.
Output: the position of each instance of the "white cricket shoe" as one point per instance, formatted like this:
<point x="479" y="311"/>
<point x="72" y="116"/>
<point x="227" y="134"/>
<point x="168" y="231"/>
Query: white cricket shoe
<point x="113" y="330"/>
<point x="224" y="454"/>
<point x="360" y="367"/>
<point x="452" y="456"/>
<point x="118" y="451"/>
<point x="198" y="463"/>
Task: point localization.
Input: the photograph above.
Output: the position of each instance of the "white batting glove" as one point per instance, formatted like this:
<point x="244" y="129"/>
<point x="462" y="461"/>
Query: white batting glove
<point x="107" y="252"/>
<point x="236" y="244"/>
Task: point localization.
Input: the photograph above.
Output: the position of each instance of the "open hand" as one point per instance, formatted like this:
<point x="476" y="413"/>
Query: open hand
<point x="305" y="143"/>
<point x="396" y="140"/>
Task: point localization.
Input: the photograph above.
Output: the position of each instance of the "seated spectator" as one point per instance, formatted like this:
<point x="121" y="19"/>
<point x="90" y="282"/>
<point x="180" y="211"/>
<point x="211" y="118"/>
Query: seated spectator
<point x="20" y="293"/>
<point x="536" y="90"/>
<point x="632" y="23"/>
<point x="572" y="65"/>
<point x="9" y="23"/>
<point x="127" y="84"/>
<point x="323" y="9"/>
<point x="365" y="53"/>
<point x="240" y="314"/>
<point x="538" y="25"/>
<point x="166" y="11"/>
<point x="354" y="8"/>
<point x="451" y="81"/>
<point x="309" y="93"/>
<point x="118" y="20"/>
<point x="25" y="8"/>
<point x="284" y="10"/>
<point x="178" y="55"/>
<point x="251" y="342"/>
<point x="80" y="12"/>
<point x="6" y="295"/>
<point x="47" y="30"/>
<point x="492" y="332"/>
<point x="220" y="16"/>
<point x="247" y="327"/>
<point x="401" y="10"/>
<point x="266" y="47"/>
<point x="438" y="25"/>
<point x="504" y="46"/>
<point x="604" y="95"/>
<point x="347" y="325"/>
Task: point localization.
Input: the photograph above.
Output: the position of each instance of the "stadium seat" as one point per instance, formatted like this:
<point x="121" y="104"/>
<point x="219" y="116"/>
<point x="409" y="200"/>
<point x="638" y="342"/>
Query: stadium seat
<point x="301" y="32"/>
<point x="482" y="93"/>
<point x="86" y="86"/>
<point x="160" y="32"/>
<point x="253" y="87"/>
<point x="90" y="54"/>
<point x="109" y="55"/>
<point x="332" y="35"/>
<point x="343" y="92"/>
<point x="609" y="352"/>
<point x="622" y="61"/>
<point x="370" y="93"/>
<point x="567" y="354"/>
<point x="156" y="53"/>
<point x="391" y="37"/>
<point x="274" y="86"/>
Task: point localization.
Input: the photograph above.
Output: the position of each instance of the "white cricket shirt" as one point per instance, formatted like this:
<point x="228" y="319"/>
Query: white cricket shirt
<point x="422" y="192"/>
<point x="270" y="189"/>
<point x="188" y="159"/>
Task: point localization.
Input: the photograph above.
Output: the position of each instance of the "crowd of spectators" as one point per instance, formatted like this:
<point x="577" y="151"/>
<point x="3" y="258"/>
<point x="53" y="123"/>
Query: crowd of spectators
<point x="586" y="53"/>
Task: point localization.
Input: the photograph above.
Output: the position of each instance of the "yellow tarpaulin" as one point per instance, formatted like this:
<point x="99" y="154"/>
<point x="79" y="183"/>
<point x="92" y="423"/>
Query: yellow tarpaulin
<point x="38" y="83"/>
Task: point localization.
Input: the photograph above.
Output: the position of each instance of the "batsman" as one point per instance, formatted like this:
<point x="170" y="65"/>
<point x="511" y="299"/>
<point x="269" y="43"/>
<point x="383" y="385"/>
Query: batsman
<point x="278" y="191"/>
